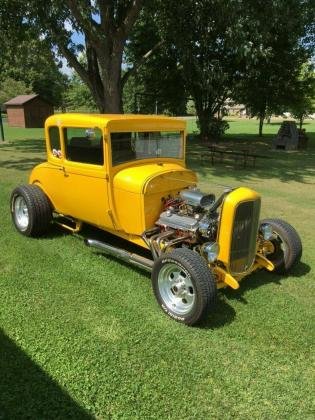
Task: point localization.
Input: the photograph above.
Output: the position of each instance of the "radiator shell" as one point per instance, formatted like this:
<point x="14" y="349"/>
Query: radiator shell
<point x="238" y="230"/>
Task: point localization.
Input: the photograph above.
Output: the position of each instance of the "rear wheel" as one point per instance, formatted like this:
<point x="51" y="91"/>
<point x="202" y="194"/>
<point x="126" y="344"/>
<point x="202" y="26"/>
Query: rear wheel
<point x="285" y="245"/>
<point x="30" y="210"/>
<point x="184" y="286"/>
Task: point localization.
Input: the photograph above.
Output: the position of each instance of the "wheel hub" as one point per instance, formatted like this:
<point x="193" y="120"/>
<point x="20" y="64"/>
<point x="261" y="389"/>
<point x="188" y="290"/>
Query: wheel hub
<point x="21" y="213"/>
<point x="176" y="289"/>
<point x="179" y="288"/>
<point x="268" y="247"/>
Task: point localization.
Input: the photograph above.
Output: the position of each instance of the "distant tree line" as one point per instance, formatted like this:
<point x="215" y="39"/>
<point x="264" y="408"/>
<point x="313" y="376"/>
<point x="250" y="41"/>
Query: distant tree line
<point x="145" y="55"/>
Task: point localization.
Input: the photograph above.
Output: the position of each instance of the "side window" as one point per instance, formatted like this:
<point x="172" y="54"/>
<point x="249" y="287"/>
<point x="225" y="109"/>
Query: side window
<point x="84" y="145"/>
<point x="54" y="140"/>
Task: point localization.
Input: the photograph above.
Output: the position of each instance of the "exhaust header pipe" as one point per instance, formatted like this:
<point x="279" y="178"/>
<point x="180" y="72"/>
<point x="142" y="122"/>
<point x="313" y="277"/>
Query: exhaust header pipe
<point x="129" y="257"/>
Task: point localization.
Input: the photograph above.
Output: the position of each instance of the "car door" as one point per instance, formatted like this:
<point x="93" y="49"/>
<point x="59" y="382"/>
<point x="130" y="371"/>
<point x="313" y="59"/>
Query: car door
<point x="81" y="183"/>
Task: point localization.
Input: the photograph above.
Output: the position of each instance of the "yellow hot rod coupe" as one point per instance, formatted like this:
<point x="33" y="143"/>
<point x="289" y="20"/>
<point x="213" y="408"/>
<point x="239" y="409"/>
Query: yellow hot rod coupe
<point x="126" y="175"/>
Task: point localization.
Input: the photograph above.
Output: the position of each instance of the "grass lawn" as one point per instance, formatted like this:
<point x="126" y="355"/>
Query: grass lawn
<point x="81" y="335"/>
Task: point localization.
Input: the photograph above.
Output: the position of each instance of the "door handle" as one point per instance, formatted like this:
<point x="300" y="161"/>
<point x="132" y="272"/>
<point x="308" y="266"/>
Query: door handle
<point x="63" y="169"/>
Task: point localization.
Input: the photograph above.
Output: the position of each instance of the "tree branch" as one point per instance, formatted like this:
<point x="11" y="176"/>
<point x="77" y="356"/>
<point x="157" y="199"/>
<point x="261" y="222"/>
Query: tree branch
<point x="140" y="62"/>
<point x="73" y="62"/>
<point x="94" y="75"/>
<point x="89" y="26"/>
<point x="106" y="14"/>
<point x="131" y="16"/>
<point x="92" y="80"/>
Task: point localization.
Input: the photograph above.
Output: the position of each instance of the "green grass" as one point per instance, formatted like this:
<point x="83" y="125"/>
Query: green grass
<point x="82" y="336"/>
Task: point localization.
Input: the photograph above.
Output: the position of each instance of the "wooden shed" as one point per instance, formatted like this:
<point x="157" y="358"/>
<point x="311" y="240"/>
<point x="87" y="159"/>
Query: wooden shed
<point x="28" y="111"/>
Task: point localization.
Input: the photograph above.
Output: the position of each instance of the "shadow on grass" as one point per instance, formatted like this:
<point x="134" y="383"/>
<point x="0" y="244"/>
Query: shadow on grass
<point x="280" y="122"/>
<point x="55" y="231"/>
<point x="21" y="164"/>
<point x="26" y="391"/>
<point x="262" y="277"/>
<point x="286" y="166"/>
<point x="90" y="232"/>
<point x="223" y="314"/>
<point x="25" y="145"/>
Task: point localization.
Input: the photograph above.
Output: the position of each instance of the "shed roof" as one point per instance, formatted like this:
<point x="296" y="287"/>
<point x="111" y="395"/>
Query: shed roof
<point x="21" y="99"/>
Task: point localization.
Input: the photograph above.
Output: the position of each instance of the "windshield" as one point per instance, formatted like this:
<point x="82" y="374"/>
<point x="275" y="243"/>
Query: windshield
<point x="146" y="145"/>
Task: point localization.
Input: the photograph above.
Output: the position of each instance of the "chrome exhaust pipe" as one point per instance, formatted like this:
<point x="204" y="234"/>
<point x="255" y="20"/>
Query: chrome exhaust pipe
<point x="129" y="257"/>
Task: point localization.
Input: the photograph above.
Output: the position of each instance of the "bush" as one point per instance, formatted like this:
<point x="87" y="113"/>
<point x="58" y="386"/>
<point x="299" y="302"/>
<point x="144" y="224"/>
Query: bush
<point x="214" y="129"/>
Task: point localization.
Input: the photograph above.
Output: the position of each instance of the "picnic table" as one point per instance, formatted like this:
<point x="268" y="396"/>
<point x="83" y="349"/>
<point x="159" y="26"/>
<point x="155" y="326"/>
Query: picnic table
<point x="245" y="154"/>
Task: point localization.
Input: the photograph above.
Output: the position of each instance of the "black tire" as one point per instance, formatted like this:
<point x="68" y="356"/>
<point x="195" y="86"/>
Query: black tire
<point x="287" y="246"/>
<point x="196" y="298"/>
<point x="31" y="210"/>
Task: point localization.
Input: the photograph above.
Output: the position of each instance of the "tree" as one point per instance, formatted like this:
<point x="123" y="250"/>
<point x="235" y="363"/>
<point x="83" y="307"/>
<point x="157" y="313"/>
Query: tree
<point x="105" y="26"/>
<point x="78" y="97"/>
<point x="158" y="85"/>
<point x="210" y="40"/>
<point x="304" y="94"/>
<point x="268" y="83"/>
<point x="37" y="67"/>
<point x="222" y="46"/>
<point x="208" y="44"/>
<point x="9" y="88"/>
<point x="28" y="60"/>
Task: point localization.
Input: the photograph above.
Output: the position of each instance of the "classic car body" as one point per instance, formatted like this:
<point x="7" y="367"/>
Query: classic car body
<point x="126" y="174"/>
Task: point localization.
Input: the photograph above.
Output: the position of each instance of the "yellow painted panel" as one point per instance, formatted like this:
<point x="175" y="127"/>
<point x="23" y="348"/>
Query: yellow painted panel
<point x="145" y="123"/>
<point x="81" y="194"/>
<point x="115" y="121"/>
<point x="136" y="177"/>
<point x="106" y="196"/>
<point x="129" y="211"/>
<point x="229" y="206"/>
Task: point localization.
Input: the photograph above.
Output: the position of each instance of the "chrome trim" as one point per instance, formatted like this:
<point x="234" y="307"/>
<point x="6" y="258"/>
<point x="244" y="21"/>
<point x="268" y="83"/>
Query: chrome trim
<point x="176" y="289"/>
<point x="243" y="243"/>
<point x="20" y="212"/>
<point x="129" y="257"/>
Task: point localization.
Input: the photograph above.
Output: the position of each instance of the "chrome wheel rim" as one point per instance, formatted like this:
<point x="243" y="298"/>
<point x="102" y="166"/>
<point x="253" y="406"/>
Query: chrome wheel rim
<point x="21" y="213"/>
<point x="176" y="289"/>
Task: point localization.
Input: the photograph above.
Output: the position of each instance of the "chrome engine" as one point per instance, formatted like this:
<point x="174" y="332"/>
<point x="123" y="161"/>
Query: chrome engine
<point x="177" y="221"/>
<point x="189" y="213"/>
<point x="189" y="219"/>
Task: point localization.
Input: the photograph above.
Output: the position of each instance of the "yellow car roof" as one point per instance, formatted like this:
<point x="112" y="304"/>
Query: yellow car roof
<point x="104" y="120"/>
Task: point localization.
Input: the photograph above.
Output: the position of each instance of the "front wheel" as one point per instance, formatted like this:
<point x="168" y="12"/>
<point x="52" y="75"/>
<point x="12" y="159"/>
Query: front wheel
<point x="184" y="286"/>
<point x="285" y="245"/>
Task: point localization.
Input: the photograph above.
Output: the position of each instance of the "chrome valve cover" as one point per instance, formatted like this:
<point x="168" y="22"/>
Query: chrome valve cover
<point x="176" y="221"/>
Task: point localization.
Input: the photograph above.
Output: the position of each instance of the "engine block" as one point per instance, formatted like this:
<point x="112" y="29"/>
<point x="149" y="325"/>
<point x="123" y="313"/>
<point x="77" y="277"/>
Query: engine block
<point x="176" y="221"/>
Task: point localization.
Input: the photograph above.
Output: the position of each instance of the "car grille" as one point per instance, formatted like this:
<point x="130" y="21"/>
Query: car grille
<point x="244" y="234"/>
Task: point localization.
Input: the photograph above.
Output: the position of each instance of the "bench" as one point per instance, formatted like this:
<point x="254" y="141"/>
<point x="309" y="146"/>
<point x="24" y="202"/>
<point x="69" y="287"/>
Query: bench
<point x="246" y="155"/>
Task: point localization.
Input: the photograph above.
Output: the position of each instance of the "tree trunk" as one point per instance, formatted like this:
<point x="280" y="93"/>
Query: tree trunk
<point x="106" y="27"/>
<point x="113" y="97"/>
<point x="204" y="123"/>
<point x="261" y="123"/>
<point x="301" y="123"/>
<point x="203" y="120"/>
<point x="110" y="62"/>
